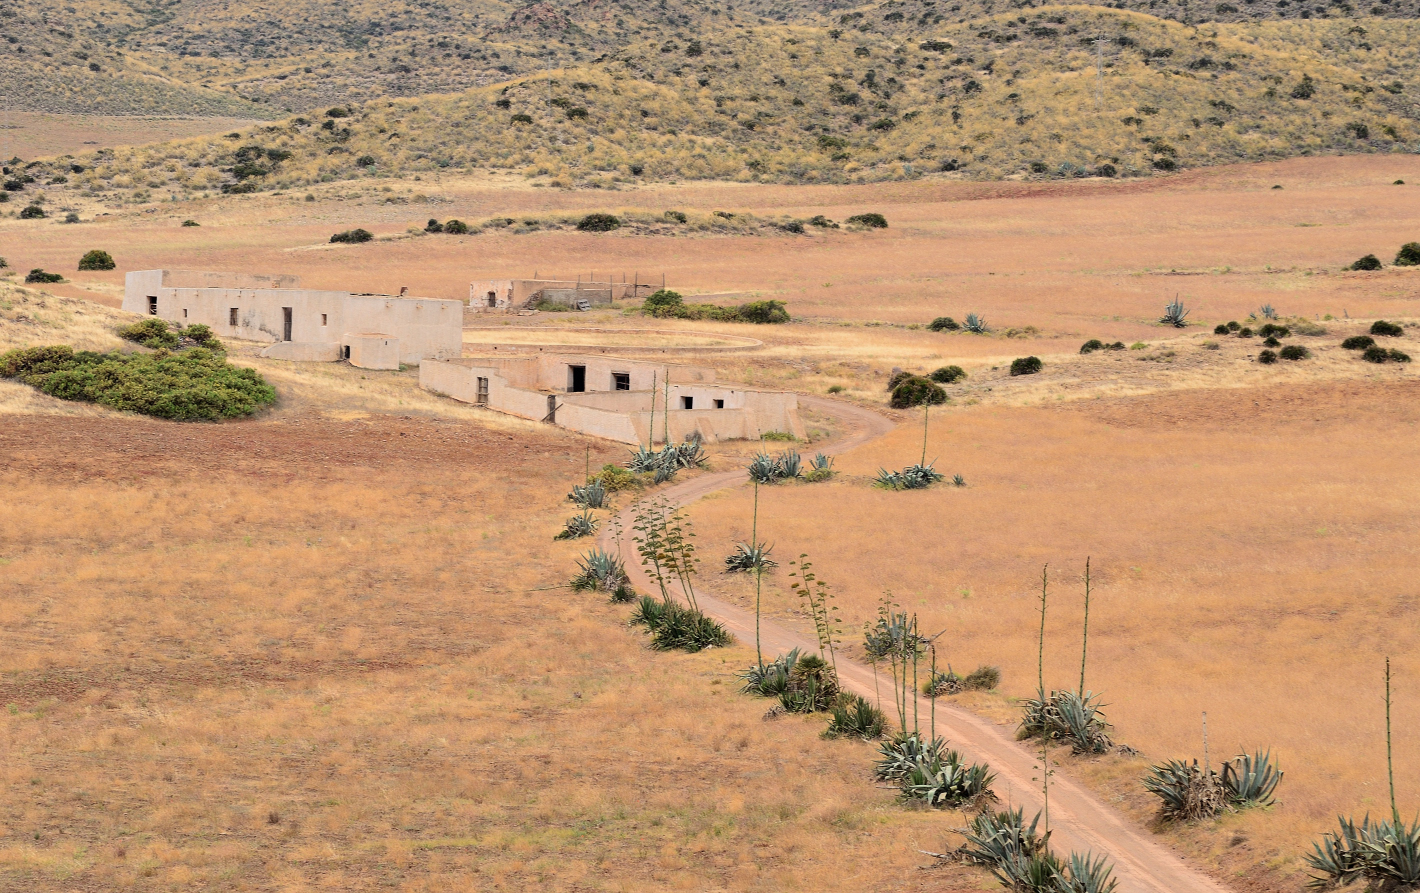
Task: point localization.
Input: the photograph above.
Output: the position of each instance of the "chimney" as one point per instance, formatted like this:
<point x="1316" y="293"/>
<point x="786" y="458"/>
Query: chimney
<point x="403" y="290"/>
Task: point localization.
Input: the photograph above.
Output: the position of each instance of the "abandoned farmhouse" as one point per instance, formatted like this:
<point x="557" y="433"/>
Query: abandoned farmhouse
<point x="371" y="331"/>
<point x="630" y="401"/>
<point x="615" y="398"/>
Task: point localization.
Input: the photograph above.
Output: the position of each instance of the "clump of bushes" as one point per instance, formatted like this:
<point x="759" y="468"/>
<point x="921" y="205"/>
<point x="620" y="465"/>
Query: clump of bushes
<point x="1409" y="255"/>
<point x="915" y="390"/>
<point x="943" y="324"/>
<point x="677" y="627"/>
<point x="96" y="260"/>
<point x="1358" y="342"/>
<point x="1189" y="792"/>
<point x="1267" y="357"/>
<point x="150" y="332"/>
<point x="1026" y="366"/>
<point x="1386" y="329"/>
<point x="196" y="384"/>
<point x="983" y="678"/>
<point x="854" y="716"/>
<point x="1369" y="262"/>
<point x="767" y="469"/>
<point x="1294" y="352"/>
<point x="1067" y="716"/>
<point x="32" y="212"/>
<point x="614" y="479"/>
<point x="913" y="477"/>
<point x="871" y="220"/>
<point x="598" y="222"/>
<point x="667" y="304"/>
<point x="1272" y="330"/>
<point x="352" y="236"/>
<point x="40" y="276"/>
<point x="1378" y="354"/>
<point x="947" y="374"/>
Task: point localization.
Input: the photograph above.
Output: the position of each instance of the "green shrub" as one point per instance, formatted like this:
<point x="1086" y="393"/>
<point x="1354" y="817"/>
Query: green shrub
<point x="456" y="228"/>
<point x="1026" y="366"/>
<point x="4" y="264"/>
<point x="947" y="374"/>
<point x="855" y="717"/>
<point x="813" y="686"/>
<point x="983" y="678"/>
<point x="598" y="223"/>
<point x="778" y="435"/>
<point x="202" y="336"/>
<point x="663" y="302"/>
<point x="1294" y="352"/>
<point x="1234" y="326"/>
<point x="433" y="226"/>
<point x="32" y="212"/>
<point x="1378" y="354"/>
<point x="943" y="324"/>
<point x="871" y="220"/>
<point x="1409" y="255"/>
<point x="1091" y="346"/>
<point x="96" y="259"/>
<point x="1272" y="330"/>
<point x="1271" y="342"/>
<point x="353" y="236"/>
<point x="1387" y="329"/>
<point x="1245" y="332"/>
<point x="38" y="275"/>
<point x="151" y="332"/>
<point x="676" y="627"/>
<point x="1358" y="342"/>
<point x="190" y="223"/>
<point x="1267" y="357"/>
<point x="615" y="479"/>
<point x="676" y="216"/>
<point x="1220" y="329"/>
<point x="1369" y="262"/>
<point x="916" y="391"/>
<point x="764" y="312"/>
<point x="196" y="384"/>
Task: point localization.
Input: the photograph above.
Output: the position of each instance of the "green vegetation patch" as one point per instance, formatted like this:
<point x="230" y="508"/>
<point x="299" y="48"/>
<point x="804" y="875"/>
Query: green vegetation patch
<point x="667" y="304"/>
<point x="192" y="385"/>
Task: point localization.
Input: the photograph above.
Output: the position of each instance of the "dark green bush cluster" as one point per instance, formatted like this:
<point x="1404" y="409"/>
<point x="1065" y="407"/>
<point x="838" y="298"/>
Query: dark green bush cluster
<point x="667" y="304"/>
<point x="151" y="332"/>
<point x="40" y="276"/>
<point x="1267" y="357"/>
<point x="871" y="220"/>
<point x="1367" y="263"/>
<point x="1408" y="255"/>
<point x="1378" y="354"/>
<point x="983" y="678"/>
<point x="944" y="324"/>
<point x="196" y="384"/>
<point x="910" y="390"/>
<point x="598" y="222"/>
<point x="452" y="227"/>
<point x="674" y="626"/>
<point x="1386" y="329"/>
<point x="1026" y="366"/>
<point x="32" y="212"/>
<point x="353" y="236"/>
<point x="947" y="374"/>
<point x="1095" y="344"/>
<point x="96" y="260"/>
<point x="1294" y="352"/>
<point x="1358" y="342"/>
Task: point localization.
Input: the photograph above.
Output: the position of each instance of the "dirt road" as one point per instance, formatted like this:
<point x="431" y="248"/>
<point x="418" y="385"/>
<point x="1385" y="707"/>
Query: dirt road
<point x="1078" y="820"/>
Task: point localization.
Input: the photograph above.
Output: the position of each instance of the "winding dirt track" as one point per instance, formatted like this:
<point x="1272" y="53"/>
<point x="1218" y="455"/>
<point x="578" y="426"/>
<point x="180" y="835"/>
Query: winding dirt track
<point x="1078" y="820"/>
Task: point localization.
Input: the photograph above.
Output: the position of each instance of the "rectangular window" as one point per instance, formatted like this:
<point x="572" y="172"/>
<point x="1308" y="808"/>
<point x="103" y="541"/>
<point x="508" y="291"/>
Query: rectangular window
<point x="152" y="305"/>
<point x="482" y="391"/>
<point x="184" y="313"/>
<point x="232" y="317"/>
<point x="719" y="404"/>
<point x="286" y="323"/>
<point x="621" y="381"/>
<point x="322" y="319"/>
<point x="687" y="402"/>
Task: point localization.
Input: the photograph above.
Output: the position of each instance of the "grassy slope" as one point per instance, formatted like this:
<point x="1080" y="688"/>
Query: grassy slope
<point x="794" y="104"/>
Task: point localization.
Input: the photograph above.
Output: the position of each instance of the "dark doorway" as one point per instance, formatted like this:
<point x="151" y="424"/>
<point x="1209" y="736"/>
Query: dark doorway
<point x="153" y="305"/>
<point x="482" y="391"/>
<point x="687" y="402"/>
<point x="492" y="299"/>
<point x="286" y="314"/>
<point x="621" y="381"/>
<point x="576" y="379"/>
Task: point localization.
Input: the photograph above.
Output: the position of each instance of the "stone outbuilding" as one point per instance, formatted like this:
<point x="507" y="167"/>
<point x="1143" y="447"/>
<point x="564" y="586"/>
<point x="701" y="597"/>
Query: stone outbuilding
<point x="371" y="331"/>
<point x="615" y="398"/>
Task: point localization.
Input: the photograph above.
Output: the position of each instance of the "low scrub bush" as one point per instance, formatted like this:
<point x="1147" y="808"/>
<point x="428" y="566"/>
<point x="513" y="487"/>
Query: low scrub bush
<point x="676" y="627"/>
<point x="1245" y="332"/>
<point x="943" y="324"/>
<point x="1271" y="342"/>
<point x="151" y="332"/>
<point x="1026" y="366"/>
<point x="784" y="436"/>
<point x="1234" y="326"/>
<point x="352" y="236"/>
<point x="1408" y="255"/>
<point x="1092" y="345"/>
<point x="1358" y="342"/>
<point x="983" y="678"/>
<point x="855" y="717"/>
<point x="1189" y="792"/>
<point x="96" y="259"/>
<point x="667" y="304"/>
<point x="913" y="477"/>
<point x="1273" y="330"/>
<point x="38" y="275"/>
<point x="33" y="212"/>
<point x="1221" y="329"/>
<point x="870" y="220"/>
<point x="914" y="390"/>
<point x="1386" y="329"/>
<point x="1067" y="716"/>
<point x="1294" y="352"/>
<point x="947" y="374"/>
<point x="192" y="385"/>
<point x="599" y="223"/>
<point x="1267" y="357"/>
<point x="1369" y="262"/>
<point x="614" y="479"/>
<point x="1378" y="354"/>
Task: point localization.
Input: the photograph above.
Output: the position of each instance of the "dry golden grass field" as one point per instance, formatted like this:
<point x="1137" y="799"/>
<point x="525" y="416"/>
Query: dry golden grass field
<point x="323" y="648"/>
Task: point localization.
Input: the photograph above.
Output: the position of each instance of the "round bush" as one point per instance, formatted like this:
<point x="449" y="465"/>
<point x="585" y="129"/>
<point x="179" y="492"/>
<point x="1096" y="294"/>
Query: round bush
<point x="33" y="212"/>
<point x="871" y="220"/>
<point x="1398" y="357"/>
<point x="1221" y="329"/>
<point x="1375" y="354"/>
<point x="353" y="236"/>
<point x="599" y="223"/>
<point x="1272" y="330"/>
<point x="1026" y="366"/>
<point x="1091" y="346"/>
<point x="96" y="260"/>
<point x="663" y="303"/>
<point x="1358" y="342"/>
<point x="1267" y="357"/>
<point x="944" y="324"/>
<point x="1234" y="326"/>
<point x="1271" y="342"/>
<point x="915" y="390"/>
<point x="433" y="226"/>
<point x="365" y="161"/>
<point x="1388" y="329"/>
<point x="1244" y="332"/>
<point x="948" y="374"/>
<point x="1409" y="255"/>
<point x="1369" y="262"/>
<point x="456" y="227"/>
<point x="1294" y="352"/>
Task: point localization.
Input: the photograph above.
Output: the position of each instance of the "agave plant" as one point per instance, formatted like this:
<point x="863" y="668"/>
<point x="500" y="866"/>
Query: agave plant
<point x="767" y="469"/>
<point x="903" y="752"/>
<point x="1174" y="314"/>
<point x="975" y="324"/>
<point x="591" y="496"/>
<point x="1250" y="780"/>
<point x="1187" y="790"/>
<point x="664" y="473"/>
<point x="958" y="481"/>
<point x="579" y="526"/>
<point x="822" y="462"/>
<point x="746" y="558"/>
<point x="599" y="570"/>
<point x="1267" y="311"/>
<point x="1387" y="852"/>
<point x="643" y="459"/>
<point x="1067" y="716"/>
<point x="788" y="464"/>
<point x="772" y="679"/>
<point x="913" y="477"/>
<point x="1085" y="873"/>
<point x="813" y="686"/>
<point x="855" y="717"/>
<point x="1003" y="842"/>
<point x="948" y="782"/>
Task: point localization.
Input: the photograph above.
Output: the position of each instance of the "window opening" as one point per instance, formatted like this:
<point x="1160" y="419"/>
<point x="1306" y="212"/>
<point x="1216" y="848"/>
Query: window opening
<point x="719" y="404"/>
<point x="492" y="299"/>
<point x="621" y="381"/>
<point x="322" y="319"/>
<point x="286" y="324"/>
<point x="483" y="390"/>
<point x="152" y="305"/>
<point x="184" y="313"/>
<point x="232" y="317"/>
<point x="687" y="402"/>
<point x="576" y="379"/>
